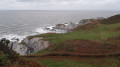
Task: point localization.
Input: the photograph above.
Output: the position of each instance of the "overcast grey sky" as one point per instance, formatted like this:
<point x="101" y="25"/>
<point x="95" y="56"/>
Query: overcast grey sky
<point x="59" y="4"/>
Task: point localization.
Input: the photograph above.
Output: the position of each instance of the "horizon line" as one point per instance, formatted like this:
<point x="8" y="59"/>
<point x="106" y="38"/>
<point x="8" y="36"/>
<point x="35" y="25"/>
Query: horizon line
<point x="59" y="10"/>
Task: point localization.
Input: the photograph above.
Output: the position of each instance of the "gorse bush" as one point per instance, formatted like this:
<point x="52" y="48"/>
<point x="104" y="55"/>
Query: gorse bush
<point x="4" y="58"/>
<point x="5" y="41"/>
<point x="6" y="52"/>
<point x="111" y="20"/>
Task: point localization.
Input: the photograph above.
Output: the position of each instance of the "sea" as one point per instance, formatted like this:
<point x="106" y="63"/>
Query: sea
<point x="23" y="23"/>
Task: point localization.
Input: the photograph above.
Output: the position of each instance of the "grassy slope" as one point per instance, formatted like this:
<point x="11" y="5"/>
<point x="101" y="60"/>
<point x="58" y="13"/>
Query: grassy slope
<point x="98" y="32"/>
<point x="78" y="62"/>
<point x="70" y="63"/>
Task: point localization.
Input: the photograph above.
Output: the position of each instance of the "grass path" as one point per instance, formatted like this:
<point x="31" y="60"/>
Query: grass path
<point x="61" y="61"/>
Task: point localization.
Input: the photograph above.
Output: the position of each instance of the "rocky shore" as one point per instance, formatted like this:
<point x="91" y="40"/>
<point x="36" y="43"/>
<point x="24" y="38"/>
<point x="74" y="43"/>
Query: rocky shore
<point x="66" y="27"/>
<point x="29" y="46"/>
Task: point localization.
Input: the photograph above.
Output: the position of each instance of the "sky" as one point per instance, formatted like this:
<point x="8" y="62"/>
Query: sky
<point x="59" y="4"/>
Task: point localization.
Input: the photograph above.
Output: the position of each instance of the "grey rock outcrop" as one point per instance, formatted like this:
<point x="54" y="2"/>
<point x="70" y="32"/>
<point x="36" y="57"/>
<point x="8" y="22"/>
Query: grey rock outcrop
<point x="60" y="26"/>
<point x="19" y="48"/>
<point x="66" y="26"/>
<point x="29" y="46"/>
<point x="63" y="27"/>
<point x="85" y="21"/>
<point x="35" y="44"/>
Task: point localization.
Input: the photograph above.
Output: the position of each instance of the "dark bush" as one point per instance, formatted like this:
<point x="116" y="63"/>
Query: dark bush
<point x="4" y="58"/>
<point x="111" y="20"/>
<point x="12" y="55"/>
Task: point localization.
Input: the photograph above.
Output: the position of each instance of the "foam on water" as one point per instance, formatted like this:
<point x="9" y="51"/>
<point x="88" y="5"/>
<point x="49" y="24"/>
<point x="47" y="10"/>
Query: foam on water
<point x="13" y="37"/>
<point x="41" y="30"/>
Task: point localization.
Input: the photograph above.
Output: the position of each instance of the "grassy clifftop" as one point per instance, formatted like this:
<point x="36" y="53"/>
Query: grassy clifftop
<point x="96" y="31"/>
<point x="97" y="39"/>
<point x="90" y="33"/>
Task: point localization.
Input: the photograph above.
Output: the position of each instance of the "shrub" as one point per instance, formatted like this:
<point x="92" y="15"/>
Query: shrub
<point x="4" y="58"/>
<point x="13" y="56"/>
<point x="111" y="20"/>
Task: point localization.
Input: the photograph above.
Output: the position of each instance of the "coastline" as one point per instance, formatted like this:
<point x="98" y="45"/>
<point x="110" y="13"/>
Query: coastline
<point x="28" y="46"/>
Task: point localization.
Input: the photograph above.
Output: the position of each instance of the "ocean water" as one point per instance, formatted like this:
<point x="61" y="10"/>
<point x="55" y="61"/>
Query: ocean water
<point x="21" y="23"/>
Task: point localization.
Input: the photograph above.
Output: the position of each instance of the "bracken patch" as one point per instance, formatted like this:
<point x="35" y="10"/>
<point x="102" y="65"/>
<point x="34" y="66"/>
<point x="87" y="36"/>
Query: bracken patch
<point x="83" y="48"/>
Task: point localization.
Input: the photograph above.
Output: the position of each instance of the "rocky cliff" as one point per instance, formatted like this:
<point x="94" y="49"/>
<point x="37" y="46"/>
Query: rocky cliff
<point x="29" y="46"/>
<point x="19" y="48"/>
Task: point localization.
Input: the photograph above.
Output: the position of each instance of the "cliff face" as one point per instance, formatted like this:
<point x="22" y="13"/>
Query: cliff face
<point x="19" y="48"/>
<point x="35" y="44"/>
<point x="29" y="46"/>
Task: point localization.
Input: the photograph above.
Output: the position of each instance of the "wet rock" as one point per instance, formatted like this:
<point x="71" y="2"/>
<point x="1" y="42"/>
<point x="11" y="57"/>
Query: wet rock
<point x="71" y="26"/>
<point x="60" y="26"/>
<point x="66" y="27"/>
<point x="15" y="39"/>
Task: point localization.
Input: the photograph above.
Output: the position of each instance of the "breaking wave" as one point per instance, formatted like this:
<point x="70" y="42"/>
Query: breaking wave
<point x="40" y="30"/>
<point x="14" y="37"/>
